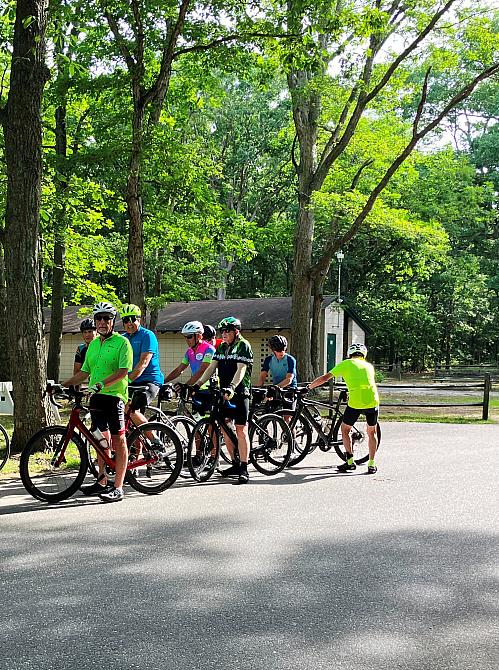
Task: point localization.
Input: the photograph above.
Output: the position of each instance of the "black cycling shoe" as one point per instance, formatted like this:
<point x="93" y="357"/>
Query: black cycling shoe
<point x="372" y="469"/>
<point x="345" y="467"/>
<point x="95" y="489"/>
<point x="233" y="471"/>
<point x="243" y="477"/>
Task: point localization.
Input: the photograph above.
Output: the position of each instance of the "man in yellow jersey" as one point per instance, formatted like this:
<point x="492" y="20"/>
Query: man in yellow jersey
<point x="108" y="361"/>
<point x="363" y="398"/>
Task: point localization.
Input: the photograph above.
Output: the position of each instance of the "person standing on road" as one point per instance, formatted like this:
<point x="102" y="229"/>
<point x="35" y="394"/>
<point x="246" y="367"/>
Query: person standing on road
<point x="363" y="398"/>
<point x="108" y="362"/>
<point x="146" y="370"/>
<point x="233" y="361"/>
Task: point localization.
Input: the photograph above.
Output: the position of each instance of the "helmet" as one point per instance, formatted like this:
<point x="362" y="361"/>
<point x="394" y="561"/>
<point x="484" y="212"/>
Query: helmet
<point x="104" y="308"/>
<point x="208" y="332"/>
<point x="192" y="327"/>
<point x="278" y="343"/>
<point x="229" y="322"/>
<point x="130" y="310"/>
<point x="87" y="324"/>
<point x="357" y="348"/>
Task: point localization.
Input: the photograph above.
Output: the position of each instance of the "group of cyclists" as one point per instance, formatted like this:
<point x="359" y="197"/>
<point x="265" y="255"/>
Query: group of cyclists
<point x="113" y="362"/>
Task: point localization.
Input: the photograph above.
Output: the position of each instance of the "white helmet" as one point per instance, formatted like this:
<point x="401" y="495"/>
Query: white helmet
<point x="104" y="308"/>
<point x="357" y="348"/>
<point x="192" y="327"/>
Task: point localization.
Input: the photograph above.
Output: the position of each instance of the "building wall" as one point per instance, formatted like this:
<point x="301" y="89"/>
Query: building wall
<point x="355" y="332"/>
<point x="333" y="323"/>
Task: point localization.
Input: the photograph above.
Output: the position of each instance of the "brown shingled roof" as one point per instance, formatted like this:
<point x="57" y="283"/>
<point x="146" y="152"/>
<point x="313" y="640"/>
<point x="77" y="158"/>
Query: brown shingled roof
<point x="254" y="313"/>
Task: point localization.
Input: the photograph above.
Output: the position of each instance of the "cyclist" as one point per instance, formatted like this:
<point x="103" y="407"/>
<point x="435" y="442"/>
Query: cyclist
<point x="233" y="361"/>
<point x="146" y="368"/>
<point x="280" y="364"/>
<point x="363" y="398"/>
<point x="210" y="335"/>
<point x="108" y="361"/>
<point x="198" y="356"/>
<point x="87" y="329"/>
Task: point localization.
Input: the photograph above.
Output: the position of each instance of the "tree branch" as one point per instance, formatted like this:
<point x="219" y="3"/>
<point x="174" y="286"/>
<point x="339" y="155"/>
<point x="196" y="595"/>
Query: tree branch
<point x="120" y="40"/>
<point x="232" y="38"/>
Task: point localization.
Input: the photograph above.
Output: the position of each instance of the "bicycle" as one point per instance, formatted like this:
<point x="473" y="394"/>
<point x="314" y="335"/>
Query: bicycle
<point x="4" y="447"/>
<point x="54" y="462"/>
<point x="269" y="436"/>
<point x="306" y="420"/>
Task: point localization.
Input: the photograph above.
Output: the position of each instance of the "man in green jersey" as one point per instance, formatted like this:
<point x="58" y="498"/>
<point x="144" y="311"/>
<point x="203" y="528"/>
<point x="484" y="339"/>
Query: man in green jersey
<point x="233" y="361"/>
<point x="108" y="361"/>
<point x="362" y="399"/>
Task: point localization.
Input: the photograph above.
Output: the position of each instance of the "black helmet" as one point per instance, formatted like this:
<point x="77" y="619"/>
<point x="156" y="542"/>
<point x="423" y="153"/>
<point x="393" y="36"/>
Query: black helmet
<point x="208" y="332"/>
<point x="278" y="343"/>
<point x="87" y="324"/>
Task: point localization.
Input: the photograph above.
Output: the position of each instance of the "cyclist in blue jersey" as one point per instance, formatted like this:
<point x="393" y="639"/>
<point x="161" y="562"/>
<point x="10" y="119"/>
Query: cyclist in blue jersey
<point x="88" y="332"/>
<point x="281" y="365"/>
<point x="146" y="368"/>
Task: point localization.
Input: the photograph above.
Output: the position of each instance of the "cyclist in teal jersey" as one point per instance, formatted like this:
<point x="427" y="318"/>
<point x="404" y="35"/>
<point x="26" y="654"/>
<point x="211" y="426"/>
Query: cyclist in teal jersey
<point x="363" y="398"/>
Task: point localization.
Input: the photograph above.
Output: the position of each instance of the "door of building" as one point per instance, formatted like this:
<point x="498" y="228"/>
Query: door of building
<point x="331" y="350"/>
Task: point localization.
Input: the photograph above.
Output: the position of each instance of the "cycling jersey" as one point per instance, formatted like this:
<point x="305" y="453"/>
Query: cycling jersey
<point x="359" y="378"/>
<point x="142" y="341"/>
<point x="80" y="353"/>
<point x="203" y="353"/>
<point x="228" y="356"/>
<point x="105" y="357"/>
<point x="279" y="369"/>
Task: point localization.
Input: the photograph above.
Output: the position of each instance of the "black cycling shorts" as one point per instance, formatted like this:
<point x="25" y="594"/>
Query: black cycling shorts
<point x="141" y="399"/>
<point x="351" y="415"/>
<point x="108" y="413"/>
<point x="240" y="413"/>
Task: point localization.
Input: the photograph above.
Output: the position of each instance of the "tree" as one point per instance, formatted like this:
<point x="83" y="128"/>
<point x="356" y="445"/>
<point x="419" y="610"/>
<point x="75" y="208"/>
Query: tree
<point x="21" y="121"/>
<point x="355" y="42"/>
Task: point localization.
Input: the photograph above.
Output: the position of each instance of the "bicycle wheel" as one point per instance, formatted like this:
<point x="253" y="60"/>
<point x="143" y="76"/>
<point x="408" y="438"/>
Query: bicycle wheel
<point x="301" y="434"/>
<point x="203" y="450"/>
<point x="4" y="447"/>
<point x="50" y="469"/>
<point x="360" y="442"/>
<point x="155" y="457"/>
<point x="183" y="427"/>
<point x="271" y="443"/>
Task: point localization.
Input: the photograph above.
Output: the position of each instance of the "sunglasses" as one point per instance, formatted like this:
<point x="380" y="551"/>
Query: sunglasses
<point x="103" y="317"/>
<point x="129" y="319"/>
<point x="189" y="337"/>
<point x="226" y="330"/>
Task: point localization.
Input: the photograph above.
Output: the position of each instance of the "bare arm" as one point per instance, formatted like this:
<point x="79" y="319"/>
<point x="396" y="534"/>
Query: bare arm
<point x="207" y="373"/>
<point x="263" y="377"/>
<point x="195" y="378"/>
<point x="320" y="380"/>
<point x="175" y="373"/>
<point x="286" y="381"/>
<point x="142" y="364"/>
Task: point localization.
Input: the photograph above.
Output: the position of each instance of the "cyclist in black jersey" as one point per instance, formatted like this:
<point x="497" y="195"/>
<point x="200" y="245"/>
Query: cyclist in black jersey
<point x="88" y="332"/>
<point x="233" y="361"/>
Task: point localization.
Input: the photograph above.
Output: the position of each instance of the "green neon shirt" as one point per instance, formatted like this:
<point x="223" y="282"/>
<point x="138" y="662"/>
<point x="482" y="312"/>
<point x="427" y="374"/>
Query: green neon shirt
<point x="104" y="358"/>
<point x="359" y="378"/>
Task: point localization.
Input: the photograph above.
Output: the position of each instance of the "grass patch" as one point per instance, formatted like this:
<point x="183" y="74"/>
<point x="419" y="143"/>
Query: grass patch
<point x="418" y="418"/>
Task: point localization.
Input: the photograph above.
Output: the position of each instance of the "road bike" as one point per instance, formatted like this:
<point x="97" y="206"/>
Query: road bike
<point x="55" y="461"/>
<point x="311" y="430"/>
<point x="269" y="435"/>
<point x="4" y="447"/>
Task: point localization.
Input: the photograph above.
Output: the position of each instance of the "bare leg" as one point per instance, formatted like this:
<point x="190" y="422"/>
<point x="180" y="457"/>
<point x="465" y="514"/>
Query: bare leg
<point x="347" y="440"/>
<point x="121" y="455"/>
<point x="243" y="442"/>
<point x="373" y="441"/>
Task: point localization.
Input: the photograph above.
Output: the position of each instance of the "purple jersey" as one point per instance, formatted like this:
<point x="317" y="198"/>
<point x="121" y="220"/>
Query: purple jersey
<point x="203" y="353"/>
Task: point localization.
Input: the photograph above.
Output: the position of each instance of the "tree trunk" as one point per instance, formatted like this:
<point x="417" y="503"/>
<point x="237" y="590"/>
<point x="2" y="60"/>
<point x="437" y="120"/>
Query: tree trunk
<point x="23" y="153"/>
<point x="316" y="331"/>
<point x="5" y="374"/>
<point x="57" y="302"/>
<point x="136" y="282"/>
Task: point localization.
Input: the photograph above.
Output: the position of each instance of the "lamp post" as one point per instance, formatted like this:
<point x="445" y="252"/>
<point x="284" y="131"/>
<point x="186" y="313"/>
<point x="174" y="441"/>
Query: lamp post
<point x="339" y="257"/>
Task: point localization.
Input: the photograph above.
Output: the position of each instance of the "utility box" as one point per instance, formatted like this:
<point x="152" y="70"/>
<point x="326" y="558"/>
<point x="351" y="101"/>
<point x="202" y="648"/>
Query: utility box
<point x="6" y="402"/>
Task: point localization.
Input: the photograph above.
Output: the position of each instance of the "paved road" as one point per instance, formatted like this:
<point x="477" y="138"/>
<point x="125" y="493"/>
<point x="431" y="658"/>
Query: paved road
<point x="306" y="570"/>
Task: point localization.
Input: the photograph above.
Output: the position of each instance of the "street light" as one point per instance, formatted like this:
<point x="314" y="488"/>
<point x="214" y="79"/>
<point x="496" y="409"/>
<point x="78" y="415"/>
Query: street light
<point x="339" y="257"/>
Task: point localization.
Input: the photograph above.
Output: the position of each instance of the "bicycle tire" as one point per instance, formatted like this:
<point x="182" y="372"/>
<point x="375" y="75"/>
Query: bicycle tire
<point x="156" y="470"/>
<point x="204" y="450"/>
<point x="183" y="427"/>
<point x="271" y="444"/>
<point x="301" y="434"/>
<point x="360" y="444"/>
<point x="4" y="447"/>
<point x="39" y="473"/>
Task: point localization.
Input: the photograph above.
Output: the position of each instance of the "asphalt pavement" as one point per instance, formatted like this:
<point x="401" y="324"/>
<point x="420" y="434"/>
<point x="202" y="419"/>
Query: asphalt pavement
<point x="308" y="569"/>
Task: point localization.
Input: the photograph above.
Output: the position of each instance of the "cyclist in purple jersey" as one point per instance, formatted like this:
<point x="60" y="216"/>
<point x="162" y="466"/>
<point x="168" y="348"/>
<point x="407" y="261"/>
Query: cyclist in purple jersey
<point x="198" y="356"/>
